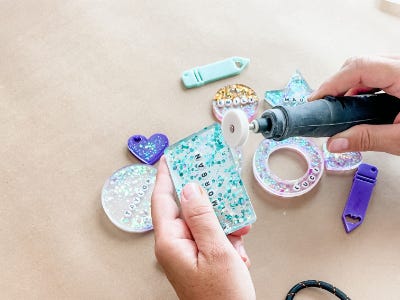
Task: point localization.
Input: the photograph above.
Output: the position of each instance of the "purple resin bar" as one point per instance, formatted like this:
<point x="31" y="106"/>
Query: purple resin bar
<point x="360" y="194"/>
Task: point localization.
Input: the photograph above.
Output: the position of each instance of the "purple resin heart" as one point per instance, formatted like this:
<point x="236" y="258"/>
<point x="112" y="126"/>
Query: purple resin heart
<point x="149" y="150"/>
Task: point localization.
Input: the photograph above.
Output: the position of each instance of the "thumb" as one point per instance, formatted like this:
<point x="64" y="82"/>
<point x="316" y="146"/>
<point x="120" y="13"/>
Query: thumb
<point x="385" y="138"/>
<point x="201" y="219"/>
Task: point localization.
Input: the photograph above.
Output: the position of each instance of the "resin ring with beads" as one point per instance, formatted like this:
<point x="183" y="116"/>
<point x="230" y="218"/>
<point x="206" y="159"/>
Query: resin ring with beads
<point x="288" y="188"/>
<point x="235" y="96"/>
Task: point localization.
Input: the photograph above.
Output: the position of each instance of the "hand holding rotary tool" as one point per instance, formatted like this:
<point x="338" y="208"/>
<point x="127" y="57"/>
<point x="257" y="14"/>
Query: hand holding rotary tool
<point x="335" y="114"/>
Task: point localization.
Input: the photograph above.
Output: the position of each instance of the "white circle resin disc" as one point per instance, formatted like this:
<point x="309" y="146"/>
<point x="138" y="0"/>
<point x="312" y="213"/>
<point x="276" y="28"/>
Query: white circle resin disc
<point x="235" y="128"/>
<point x="126" y="197"/>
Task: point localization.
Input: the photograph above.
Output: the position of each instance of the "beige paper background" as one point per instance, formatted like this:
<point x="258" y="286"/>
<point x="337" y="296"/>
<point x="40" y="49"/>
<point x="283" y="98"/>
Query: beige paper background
<point x="77" y="78"/>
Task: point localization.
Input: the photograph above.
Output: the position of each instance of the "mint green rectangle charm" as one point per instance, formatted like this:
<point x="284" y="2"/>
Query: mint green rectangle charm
<point x="204" y="158"/>
<point x="199" y="76"/>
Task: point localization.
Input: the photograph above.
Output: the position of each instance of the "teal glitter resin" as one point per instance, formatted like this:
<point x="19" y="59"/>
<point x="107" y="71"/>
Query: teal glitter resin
<point x="295" y="93"/>
<point x="204" y="158"/>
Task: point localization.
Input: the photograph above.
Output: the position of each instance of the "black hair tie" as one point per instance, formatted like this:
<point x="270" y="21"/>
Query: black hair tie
<point x="318" y="284"/>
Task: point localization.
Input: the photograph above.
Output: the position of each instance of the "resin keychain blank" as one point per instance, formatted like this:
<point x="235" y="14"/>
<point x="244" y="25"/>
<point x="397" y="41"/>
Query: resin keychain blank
<point x="288" y="188"/>
<point x="205" y="158"/>
<point x="235" y="96"/>
<point x="202" y="75"/>
<point x="126" y="197"/>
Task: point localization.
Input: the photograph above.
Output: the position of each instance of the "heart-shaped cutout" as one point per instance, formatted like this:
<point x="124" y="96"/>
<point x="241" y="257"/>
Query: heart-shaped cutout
<point x="338" y="162"/>
<point x="149" y="150"/>
<point x="352" y="219"/>
<point x="351" y="222"/>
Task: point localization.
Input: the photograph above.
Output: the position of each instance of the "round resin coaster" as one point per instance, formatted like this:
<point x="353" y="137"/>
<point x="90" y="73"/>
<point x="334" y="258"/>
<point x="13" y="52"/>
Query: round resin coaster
<point x="235" y="96"/>
<point x="126" y="197"/>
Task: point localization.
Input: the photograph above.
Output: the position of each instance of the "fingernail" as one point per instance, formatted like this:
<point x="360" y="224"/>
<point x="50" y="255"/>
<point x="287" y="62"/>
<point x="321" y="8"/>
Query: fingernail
<point x="338" y="145"/>
<point x="191" y="191"/>
<point x="242" y="252"/>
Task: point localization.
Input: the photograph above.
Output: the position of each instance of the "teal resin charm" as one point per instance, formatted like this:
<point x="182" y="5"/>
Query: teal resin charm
<point x="204" y="158"/>
<point x="295" y="93"/>
<point x="202" y="75"/>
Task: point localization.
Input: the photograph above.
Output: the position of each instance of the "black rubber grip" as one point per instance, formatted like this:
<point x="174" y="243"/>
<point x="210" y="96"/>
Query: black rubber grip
<point x="331" y="115"/>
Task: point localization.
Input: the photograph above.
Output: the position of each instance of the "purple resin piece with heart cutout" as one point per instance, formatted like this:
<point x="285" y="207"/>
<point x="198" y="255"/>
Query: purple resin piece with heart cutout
<point x="149" y="150"/>
<point x="360" y="194"/>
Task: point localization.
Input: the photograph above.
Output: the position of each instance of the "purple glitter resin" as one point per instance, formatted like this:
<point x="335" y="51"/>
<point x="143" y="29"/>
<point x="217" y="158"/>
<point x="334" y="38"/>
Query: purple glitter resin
<point x="360" y="194"/>
<point x="337" y="162"/>
<point x="149" y="150"/>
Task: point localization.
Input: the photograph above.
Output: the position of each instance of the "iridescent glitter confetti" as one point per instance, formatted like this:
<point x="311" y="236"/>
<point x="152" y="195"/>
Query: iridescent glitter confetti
<point x="205" y="158"/>
<point x="149" y="150"/>
<point x="237" y="158"/>
<point x="288" y="188"/>
<point x="341" y="161"/>
<point x="126" y="197"/>
<point x="296" y="92"/>
<point x="235" y="96"/>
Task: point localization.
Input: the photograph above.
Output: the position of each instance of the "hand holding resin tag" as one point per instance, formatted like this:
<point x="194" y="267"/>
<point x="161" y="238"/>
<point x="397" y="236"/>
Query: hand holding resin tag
<point x="204" y="158"/>
<point x="149" y="150"/>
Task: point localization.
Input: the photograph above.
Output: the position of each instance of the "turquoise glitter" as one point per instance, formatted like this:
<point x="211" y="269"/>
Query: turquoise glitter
<point x="205" y="158"/>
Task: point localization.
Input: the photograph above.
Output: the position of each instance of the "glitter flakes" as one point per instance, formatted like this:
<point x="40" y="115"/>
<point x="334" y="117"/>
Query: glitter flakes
<point x="235" y="96"/>
<point x="126" y="201"/>
<point x="288" y="188"/>
<point x="341" y="161"/>
<point x="205" y="158"/>
<point x="149" y="150"/>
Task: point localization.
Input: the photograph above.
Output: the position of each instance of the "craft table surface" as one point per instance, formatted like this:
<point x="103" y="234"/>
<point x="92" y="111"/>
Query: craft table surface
<point x="77" y="78"/>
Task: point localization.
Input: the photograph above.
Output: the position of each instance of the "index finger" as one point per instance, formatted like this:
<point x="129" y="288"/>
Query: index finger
<point x="163" y="205"/>
<point x="370" y="72"/>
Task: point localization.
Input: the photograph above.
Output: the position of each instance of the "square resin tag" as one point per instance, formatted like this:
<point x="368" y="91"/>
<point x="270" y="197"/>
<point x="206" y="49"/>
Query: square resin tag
<point x="204" y="158"/>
